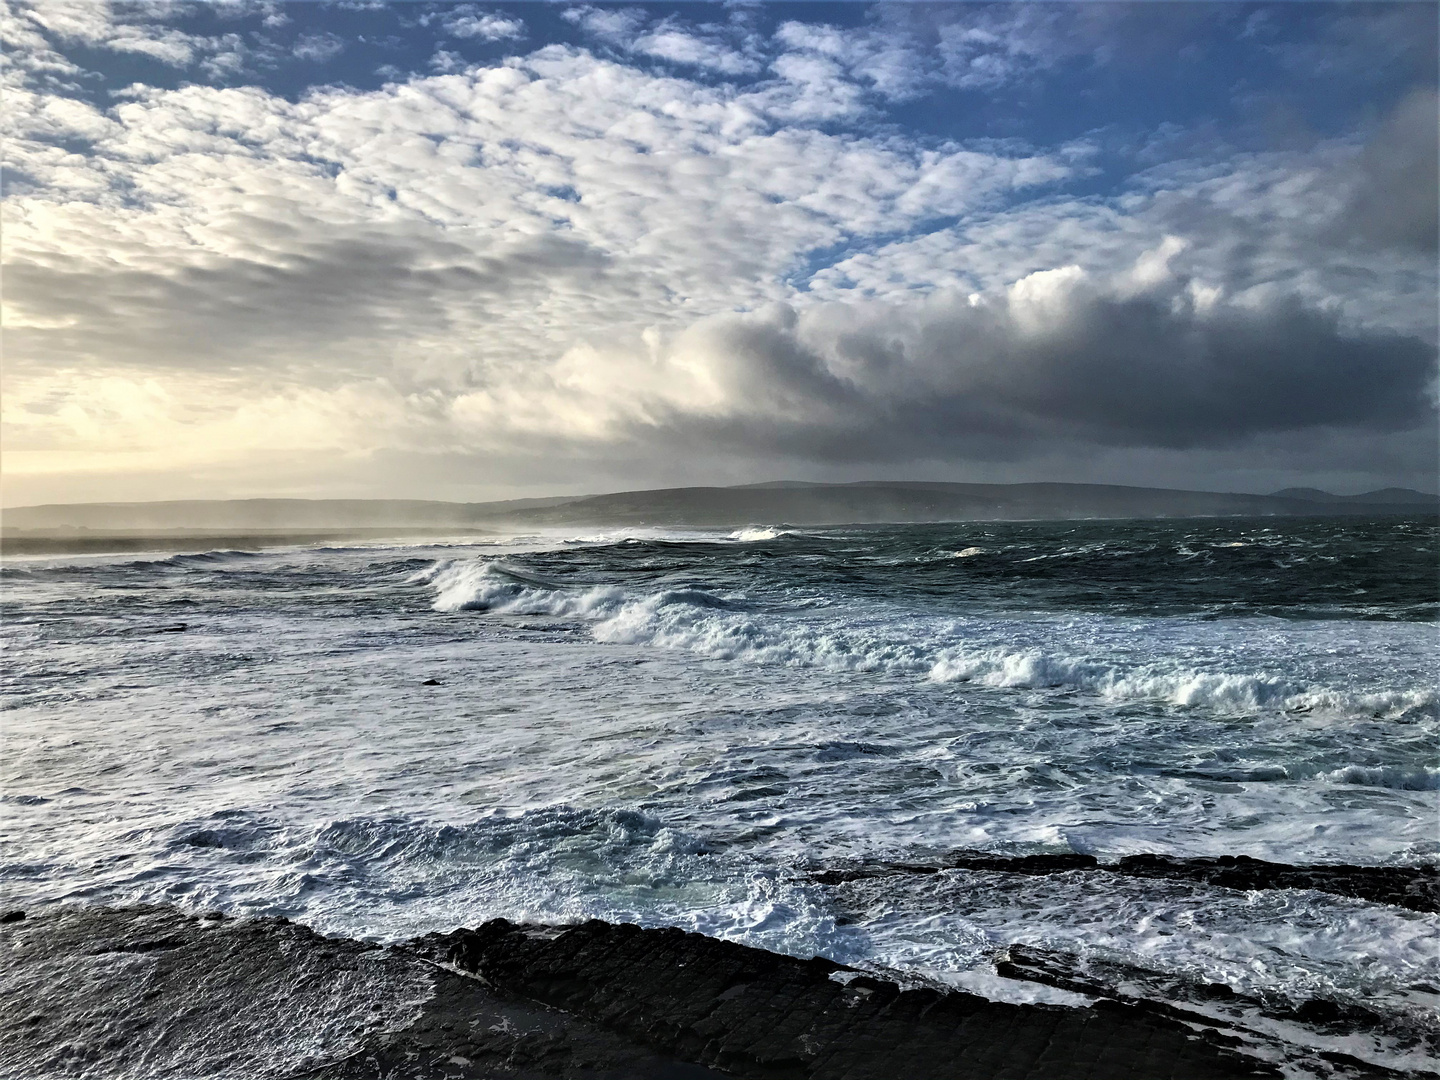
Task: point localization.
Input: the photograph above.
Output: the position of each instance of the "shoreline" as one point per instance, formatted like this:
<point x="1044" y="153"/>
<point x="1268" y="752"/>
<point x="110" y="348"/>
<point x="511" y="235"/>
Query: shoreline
<point x="171" y="993"/>
<point x="155" y="991"/>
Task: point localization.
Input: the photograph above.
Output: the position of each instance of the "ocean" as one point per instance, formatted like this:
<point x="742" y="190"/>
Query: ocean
<point x="722" y="731"/>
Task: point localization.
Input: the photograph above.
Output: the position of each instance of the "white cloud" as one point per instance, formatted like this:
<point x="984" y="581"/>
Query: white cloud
<point x="675" y="195"/>
<point x="680" y="47"/>
<point x="562" y="255"/>
<point x="488" y="26"/>
<point x="910" y="49"/>
<point x="994" y="46"/>
<point x="444" y="61"/>
<point x="229" y="59"/>
<point x="97" y="23"/>
<point x="318" y="48"/>
<point x="28" y="55"/>
<point x="135" y="28"/>
<point x="895" y="65"/>
<point x="616" y="25"/>
<point x="811" y="89"/>
<point x="671" y="40"/>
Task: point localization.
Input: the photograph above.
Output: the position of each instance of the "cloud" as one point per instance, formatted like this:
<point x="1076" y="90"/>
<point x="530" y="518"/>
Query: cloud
<point x="1368" y="42"/>
<point x="1392" y="196"/>
<point x="569" y="258"/>
<point x="467" y="21"/>
<point x="454" y="233"/>
<point x="318" y="48"/>
<point x="444" y="61"/>
<point x="1055" y="368"/>
<point x="130" y="28"/>
<point x="668" y="39"/>
<point x="1057" y="358"/>
<point x="681" y="47"/>
<point x="907" y="50"/>
<point x="337" y="300"/>
<point x="29" y="55"/>
<point x="99" y="24"/>
<point x="1258" y="225"/>
<point x="616" y="25"/>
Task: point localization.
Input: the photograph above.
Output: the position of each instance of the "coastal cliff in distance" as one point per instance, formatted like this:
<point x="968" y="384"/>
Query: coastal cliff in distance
<point x="883" y="501"/>
<point x="251" y="522"/>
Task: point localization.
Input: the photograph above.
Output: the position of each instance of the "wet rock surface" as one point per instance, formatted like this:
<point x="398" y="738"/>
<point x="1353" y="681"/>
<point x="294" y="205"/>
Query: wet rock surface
<point x="756" y="1014"/>
<point x="153" y="992"/>
<point x="100" y="992"/>
<point x="1323" y="1024"/>
<point x="1414" y="887"/>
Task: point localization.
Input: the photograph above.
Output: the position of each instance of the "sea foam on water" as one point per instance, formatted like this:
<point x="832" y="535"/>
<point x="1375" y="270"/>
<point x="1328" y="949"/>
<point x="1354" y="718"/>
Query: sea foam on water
<point x="684" y="729"/>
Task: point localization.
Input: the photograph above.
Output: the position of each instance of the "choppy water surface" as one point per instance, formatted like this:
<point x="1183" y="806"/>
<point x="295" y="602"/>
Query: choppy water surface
<point x="675" y="728"/>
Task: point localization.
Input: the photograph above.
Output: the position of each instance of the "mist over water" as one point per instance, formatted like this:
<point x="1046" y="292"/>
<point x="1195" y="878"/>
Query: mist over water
<point x="680" y="728"/>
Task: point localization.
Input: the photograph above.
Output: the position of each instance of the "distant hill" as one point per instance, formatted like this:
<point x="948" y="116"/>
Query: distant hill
<point x="1384" y="496"/>
<point x="880" y="501"/>
<point x="246" y="522"/>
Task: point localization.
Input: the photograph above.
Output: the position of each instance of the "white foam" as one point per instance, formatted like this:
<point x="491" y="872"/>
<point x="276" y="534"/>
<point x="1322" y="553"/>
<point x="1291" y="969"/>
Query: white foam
<point x="553" y="747"/>
<point x="495" y="586"/>
<point x="1231" y="692"/>
<point x="983" y="980"/>
<point x="724" y="627"/>
<point x="760" y="532"/>
<point x="1424" y="778"/>
<point x="968" y="553"/>
<point x="690" y="620"/>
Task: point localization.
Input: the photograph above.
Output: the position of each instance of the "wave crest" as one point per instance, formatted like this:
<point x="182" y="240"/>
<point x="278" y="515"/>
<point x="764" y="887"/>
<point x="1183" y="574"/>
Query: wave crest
<point x="497" y="586"/>
<point x="724" y="627"/>
<point x="758" y="532"/>
<point x="1423" y="778"/>
<point x="1222" y="691"/>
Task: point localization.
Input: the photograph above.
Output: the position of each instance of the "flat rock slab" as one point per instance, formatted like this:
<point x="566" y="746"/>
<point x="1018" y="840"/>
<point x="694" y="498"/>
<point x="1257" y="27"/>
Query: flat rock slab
<point x="1413" y="887"/>
<point x="757" y="1014"/>
<point x="154" y="992"/>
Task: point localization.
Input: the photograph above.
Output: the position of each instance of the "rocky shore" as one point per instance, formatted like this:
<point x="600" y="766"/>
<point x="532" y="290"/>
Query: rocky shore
<point x="154" y="991"/>
<point x="1414" y="887"/>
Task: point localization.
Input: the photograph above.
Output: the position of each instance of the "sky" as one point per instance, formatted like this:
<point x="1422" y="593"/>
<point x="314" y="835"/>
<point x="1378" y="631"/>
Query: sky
<point x="474" y="251"/>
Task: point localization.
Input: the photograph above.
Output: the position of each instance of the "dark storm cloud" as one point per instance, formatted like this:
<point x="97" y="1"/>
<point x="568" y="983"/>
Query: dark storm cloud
<point x="1395" y="193"/>
<point x="1063" y="365"/>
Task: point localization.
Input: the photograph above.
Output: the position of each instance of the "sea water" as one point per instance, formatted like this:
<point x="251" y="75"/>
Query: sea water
<point x="682" y="728"/>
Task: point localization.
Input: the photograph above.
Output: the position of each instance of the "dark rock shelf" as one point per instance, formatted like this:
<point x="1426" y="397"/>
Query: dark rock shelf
<point x="1414" y="887"/>
<point x="147" y="991"/>
<point x="756" y="1014"/>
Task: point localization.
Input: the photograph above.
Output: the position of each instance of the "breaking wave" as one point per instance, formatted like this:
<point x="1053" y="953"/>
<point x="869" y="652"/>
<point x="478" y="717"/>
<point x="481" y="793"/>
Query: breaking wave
<point x="498" y="586"/>
<point x="1423" y="778"/>
<point x="754" y="533"/>
<point x="719" y="626"/>
<point x="1223" y="691"/>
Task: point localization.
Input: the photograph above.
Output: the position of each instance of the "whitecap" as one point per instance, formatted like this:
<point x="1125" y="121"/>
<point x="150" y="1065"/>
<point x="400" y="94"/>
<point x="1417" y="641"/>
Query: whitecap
<point x="757" y="532"/>
<point x="1228" y="692"/>
<point x="726" y="626"/>
<point x="1422" y="778"/>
